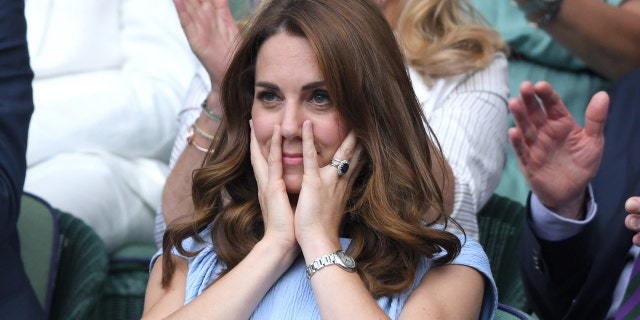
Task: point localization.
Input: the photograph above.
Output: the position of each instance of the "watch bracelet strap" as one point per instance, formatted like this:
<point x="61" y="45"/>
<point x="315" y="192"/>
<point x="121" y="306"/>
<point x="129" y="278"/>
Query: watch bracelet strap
<point x="324" y="261"/>
<point x="540" y="12"/>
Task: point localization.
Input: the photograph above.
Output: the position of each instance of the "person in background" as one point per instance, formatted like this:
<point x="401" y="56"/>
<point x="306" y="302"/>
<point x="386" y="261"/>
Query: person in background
<point x="319" y="176"/>
<point x="578" y="46"/>
<point x="109" y="79"/>
<point x="17" y="298"/>
<point x="457" y="67"/>
<point x="577" y="255"/>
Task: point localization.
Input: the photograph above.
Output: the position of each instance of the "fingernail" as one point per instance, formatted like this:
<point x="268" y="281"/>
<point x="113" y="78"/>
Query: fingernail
<point x="632" y="205"/>
<point x="635" y="222"/>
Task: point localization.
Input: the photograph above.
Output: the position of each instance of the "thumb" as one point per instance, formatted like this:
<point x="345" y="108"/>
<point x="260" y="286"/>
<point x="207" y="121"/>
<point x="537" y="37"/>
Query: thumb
<point x="596" y="114"/>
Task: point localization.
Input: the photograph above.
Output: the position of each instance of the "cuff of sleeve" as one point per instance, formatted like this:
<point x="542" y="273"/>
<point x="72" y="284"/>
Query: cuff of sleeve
<point x="552" y="227"/>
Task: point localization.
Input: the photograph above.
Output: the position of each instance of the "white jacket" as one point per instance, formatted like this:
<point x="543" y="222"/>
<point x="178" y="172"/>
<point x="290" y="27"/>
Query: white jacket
<point x="110" y="77"/>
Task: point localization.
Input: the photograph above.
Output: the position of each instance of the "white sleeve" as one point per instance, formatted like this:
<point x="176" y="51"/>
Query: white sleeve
<point x="191" y="109"/>
<point x="471" y="126"/>
<point x="126" y="106"/>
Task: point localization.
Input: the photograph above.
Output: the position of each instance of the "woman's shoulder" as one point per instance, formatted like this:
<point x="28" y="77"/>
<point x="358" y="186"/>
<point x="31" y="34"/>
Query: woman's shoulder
<point x="201" y="247"/>
<point x="473" y="255"/>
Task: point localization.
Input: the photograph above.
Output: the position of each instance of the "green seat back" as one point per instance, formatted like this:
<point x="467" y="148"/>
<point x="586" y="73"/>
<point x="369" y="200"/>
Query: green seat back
<point x="82" y="270"/>
<point x="124" y="290"/>
<point x="500" y="222"/>
<point x="39" y="245"/>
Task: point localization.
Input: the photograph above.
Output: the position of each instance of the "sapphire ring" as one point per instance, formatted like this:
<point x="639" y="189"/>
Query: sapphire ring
<point x="341" y="165"/>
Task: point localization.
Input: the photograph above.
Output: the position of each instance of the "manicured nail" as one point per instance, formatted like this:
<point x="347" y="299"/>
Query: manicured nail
<point x="635" y="222"/>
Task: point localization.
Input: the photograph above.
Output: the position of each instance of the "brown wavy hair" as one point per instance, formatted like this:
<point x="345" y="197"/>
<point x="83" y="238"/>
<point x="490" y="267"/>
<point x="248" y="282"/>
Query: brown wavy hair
<point x="363" y="68"/>
<point x="442" y="38"/>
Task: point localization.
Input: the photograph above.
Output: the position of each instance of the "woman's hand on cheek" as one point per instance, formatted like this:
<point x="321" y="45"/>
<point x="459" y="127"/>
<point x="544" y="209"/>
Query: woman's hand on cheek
<point x="323" y="194"/>
<point x="272" y="194"/>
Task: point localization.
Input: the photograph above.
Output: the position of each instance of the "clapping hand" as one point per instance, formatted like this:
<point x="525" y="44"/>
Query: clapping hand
<point x="557" y="157"/>
<point x="211" y="31"/>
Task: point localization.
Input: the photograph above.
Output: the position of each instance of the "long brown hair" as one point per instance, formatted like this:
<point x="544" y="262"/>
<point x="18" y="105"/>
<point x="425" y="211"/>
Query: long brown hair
<point x="366" y="78"/>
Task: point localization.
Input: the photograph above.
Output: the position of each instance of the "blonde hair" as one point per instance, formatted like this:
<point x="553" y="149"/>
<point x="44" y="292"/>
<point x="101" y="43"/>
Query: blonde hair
<point x="442" y="38"/>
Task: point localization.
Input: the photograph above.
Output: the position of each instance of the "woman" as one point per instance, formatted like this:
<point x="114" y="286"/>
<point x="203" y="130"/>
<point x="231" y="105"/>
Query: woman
<point x="458" y="70"/>
<point x="332" y="161"/>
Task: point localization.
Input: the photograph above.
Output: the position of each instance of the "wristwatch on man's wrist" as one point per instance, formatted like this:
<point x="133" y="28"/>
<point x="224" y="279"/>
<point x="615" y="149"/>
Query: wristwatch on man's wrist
<point x="540" y="12"/>
<point x="339" y="258"/>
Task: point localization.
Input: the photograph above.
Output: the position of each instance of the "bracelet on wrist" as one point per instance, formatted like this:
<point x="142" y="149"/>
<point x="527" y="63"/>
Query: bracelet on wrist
<point x="203" y="133"/>
<point x="540" y="13"/>
<point x="208" y="111"/>
<point x="191" y="141"/>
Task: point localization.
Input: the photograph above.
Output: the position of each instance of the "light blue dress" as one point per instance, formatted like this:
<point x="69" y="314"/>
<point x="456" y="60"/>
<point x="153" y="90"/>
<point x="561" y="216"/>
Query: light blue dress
<point x="291" y="297"/>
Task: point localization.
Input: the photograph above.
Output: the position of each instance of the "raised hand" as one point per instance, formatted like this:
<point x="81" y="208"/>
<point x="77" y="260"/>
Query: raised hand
<point x="324" y="193"/>
<point x="211" y="31"/>
<point x="557" y="157"/>
<point x="272" y="192"/>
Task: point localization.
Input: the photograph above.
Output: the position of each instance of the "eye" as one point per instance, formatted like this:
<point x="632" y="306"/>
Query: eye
<point x="320" y="98"/>
<point x="268" y="97"/>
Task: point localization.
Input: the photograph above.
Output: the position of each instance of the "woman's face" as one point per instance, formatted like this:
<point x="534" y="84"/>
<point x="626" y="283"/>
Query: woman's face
<point x="290" y="89"/>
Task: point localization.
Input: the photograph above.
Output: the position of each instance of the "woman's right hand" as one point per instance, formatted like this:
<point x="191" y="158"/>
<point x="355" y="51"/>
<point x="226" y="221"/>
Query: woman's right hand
<point x="272" y="192"/>
<point x="211" y="31"/>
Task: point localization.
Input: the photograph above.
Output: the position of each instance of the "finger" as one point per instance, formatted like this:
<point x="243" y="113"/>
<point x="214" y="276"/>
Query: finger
<point x="355" y="166"/>
<point x="523" y="122"/>
<point x="632" y="222"/>
<point x="183" y="14"/>
<point x="519" y="147"/>
<point x="346" y="149"/>
<point x="534" y="110"/>
<point x="596" y="114"/>
<point x="632" y="205"/>
<point x="257" y="159"/>
<point x="350" y="151"/>
<point x="275" y="155"/>
<point x="553" y="105"/>
<point x="309" y="152"/>
<point x="636" y="239"/>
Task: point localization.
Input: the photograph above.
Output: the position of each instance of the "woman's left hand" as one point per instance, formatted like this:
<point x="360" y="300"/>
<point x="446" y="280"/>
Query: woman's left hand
<point x="324" y="193"/>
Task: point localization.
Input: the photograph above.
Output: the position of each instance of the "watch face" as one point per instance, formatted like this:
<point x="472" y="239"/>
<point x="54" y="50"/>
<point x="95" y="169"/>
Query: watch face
<point x="347" y="260"/>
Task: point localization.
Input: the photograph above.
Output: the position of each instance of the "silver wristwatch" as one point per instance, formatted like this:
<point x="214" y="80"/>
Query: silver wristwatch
<point x="339" y="258"/>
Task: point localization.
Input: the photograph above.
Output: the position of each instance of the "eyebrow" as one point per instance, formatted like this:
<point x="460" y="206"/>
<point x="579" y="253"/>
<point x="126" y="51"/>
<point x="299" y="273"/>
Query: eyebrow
<point x="306" y="87"/>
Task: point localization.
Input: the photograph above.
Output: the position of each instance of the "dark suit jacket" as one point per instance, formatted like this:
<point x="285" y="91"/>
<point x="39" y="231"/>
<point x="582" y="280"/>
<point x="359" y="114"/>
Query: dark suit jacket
<point x="17" y="299"/>
<point x="575" y="278"/>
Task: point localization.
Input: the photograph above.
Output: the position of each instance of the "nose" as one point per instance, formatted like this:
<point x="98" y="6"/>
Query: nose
<point x="292" y="119"/>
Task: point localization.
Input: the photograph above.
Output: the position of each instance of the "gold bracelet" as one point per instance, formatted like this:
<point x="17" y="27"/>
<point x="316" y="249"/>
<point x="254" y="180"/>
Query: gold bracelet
<point x="203" y="133"/>
<point x="191" y="141"/>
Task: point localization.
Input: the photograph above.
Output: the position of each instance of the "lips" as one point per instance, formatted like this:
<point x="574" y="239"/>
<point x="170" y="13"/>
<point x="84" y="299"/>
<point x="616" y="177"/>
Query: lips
<point x="291" y="159"/>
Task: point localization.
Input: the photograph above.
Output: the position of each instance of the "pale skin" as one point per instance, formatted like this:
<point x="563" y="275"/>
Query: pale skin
<point x="211" y="31"/>
<point x="605" y="37"/>
<point x="632" y="221"/>
<point x="296" y="131"/>
<point x="551" y="146"/>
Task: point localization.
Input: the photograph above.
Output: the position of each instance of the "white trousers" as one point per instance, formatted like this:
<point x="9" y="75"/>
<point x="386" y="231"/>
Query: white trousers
<point x="117" y="197"/>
